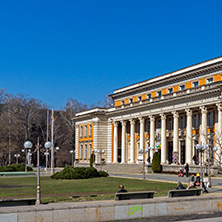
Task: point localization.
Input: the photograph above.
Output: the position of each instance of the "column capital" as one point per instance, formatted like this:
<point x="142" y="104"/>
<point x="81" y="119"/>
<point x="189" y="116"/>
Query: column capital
<point x="123" y="122"/>
<point x="152" y="118"/>
<point x="115" y="123"/>
<point x="163" y="116"/>
<point x="132" y="121"/>
<point x="189" y="112"/>
<point x="203" y="109"/>
<point x="175" y="114"/>
<point x="141" y="119"/>
<point x="219" y="107"/>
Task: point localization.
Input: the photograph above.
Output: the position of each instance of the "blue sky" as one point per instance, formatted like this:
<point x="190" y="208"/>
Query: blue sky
<point x="55" y="50"/>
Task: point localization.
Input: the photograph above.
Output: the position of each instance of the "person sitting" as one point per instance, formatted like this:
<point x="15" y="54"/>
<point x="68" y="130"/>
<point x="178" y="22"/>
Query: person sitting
<point x="121" y="187"/>
<point x="197" y="180"/>
<point x="192" y="178"/>
<point x="181" y="174"/>
<point x="180" y="186"/>
<point x="191" y="185"/>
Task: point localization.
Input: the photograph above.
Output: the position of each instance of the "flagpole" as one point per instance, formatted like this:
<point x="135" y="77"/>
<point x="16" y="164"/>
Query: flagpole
<point x="52" y="148"/>
<point x="47" y="132"/>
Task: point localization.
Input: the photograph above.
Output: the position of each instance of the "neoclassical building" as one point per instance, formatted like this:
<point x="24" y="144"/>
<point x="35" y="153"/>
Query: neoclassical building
<point x="170" y="113"/>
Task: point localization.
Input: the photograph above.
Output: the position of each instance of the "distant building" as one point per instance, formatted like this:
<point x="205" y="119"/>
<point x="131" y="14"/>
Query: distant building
<point x="171" y="113"/>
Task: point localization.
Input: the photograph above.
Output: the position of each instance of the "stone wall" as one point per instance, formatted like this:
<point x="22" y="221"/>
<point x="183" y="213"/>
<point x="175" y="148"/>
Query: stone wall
<point x="112" y="210"/>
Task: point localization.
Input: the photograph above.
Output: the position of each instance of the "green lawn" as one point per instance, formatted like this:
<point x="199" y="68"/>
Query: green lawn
<point x="76" y="190"/>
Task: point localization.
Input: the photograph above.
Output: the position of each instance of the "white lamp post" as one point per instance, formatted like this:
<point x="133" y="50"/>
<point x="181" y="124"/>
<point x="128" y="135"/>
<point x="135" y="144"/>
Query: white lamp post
<point x="141" y="151"/>
<point x="47" y="145"/>
<point x="27" y="145"/>
<point x="101" y="152"/>
<point x="201" y="148"/>
<point x="72" y="152"/>
<point x="17" y="155"/>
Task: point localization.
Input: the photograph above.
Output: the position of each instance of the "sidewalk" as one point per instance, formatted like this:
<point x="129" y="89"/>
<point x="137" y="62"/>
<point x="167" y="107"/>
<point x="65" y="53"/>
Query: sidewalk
<point x="216" y="182"/>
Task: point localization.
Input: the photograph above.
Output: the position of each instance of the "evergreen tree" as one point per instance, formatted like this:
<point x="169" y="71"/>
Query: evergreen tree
<point x="156" y="168"/>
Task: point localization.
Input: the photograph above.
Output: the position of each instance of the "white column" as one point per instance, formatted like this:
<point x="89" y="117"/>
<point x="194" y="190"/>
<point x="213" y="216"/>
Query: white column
<point x="189" y="137"/>
<point x="141" y="133"/>
<point x="175" y="132"/>
<point x="163" y="138"/>
<point x="152" y="135"/>
<point x="132" y="141"/>
<point x="218" y="135"/>
<point x="123" y="147"/>
<point x="115" y="147"/>
<point x="203" y="130"/>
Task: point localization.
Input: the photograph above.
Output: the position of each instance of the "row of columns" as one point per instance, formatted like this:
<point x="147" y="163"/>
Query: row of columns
<point x="189" y="136"/>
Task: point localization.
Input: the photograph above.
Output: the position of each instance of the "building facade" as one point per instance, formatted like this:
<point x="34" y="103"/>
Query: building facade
<point x="170" y="113"/>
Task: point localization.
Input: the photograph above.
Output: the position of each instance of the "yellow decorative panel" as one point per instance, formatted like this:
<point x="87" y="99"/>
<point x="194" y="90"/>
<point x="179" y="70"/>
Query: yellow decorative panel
<point x="143" y="96"/>
<point x="126" y="101"/>
<point x="134" y="99"/>
<point x="153" y="94"/>
<point x="176" y="88"/>
<point x="164" y="91"/>
<point x="188" y="85"/>
<point x="202" y="81"/>
<point x="117" y="103"/>
<point x="217" y="78"/>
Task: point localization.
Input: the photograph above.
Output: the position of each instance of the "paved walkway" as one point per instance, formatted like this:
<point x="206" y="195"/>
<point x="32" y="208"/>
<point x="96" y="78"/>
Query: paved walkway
<point x="216" y="181"/>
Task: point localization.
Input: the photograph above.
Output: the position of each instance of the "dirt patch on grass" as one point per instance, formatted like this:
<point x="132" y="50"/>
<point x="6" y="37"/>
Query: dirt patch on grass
<point x="15" y="186"/>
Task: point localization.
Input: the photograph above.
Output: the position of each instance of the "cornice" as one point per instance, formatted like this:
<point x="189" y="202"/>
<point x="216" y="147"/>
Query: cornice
<point x="168" y="80"/>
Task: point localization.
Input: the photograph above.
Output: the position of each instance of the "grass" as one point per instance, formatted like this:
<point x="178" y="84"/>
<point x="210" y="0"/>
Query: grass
<point x="76" y="190"/>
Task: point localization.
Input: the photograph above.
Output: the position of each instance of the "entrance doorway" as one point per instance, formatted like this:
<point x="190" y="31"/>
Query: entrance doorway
<point x="183" y="152"/>
<point x="170" y="152"/>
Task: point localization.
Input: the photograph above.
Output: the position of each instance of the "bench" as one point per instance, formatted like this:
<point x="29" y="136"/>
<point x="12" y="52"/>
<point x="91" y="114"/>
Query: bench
<point x="134" y="195"/>
<point x="17" y="202"/>
<point x="184" y="193"/>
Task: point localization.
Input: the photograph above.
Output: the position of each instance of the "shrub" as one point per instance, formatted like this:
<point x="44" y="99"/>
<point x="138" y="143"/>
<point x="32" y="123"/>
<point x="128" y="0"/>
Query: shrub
<point x="14" y="167"/>
<point x="156" y="168"/>
<point x="76" y="173"/>
<point x="92" y="159"/>
<point x="103" y="174"/>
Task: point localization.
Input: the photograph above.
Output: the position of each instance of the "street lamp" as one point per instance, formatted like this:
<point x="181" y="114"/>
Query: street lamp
<point x="209" y="161"/>
<point x="17" y="155"/>
<point x="72" y="152"/>
<point x="201" y="148"/>
<point x="27" y="145"/>
<point x="101" y="152"/>
<point x="141" y="151"/>
<point x="47" y="145"/>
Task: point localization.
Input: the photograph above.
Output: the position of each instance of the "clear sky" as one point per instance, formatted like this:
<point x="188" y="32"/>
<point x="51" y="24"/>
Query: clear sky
<point x="84" y="49"/>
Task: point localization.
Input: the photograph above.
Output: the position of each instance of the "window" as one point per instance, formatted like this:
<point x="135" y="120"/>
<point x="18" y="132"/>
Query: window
<point x="195" y="121"/>
<point x="81" y="131"/>
<point x="182" y="122"/>
<point x="122" y="102"/>
<point x="85" y="131"/>
<point x="210" y="80"/>
<point x="90" y="130"/>
<point x="210" y="119"/>
<point x="80" y="151"/>
<point x="159" y="93"/>
<point x="170" y="123"/>
<point x="158" y="124"/>
<point x="90" y="150"/>
<point x="170" y="90"/>
<point x="130" y="100"/>
<point x="138" y="128"/>
<point x="148" y="127"/>
<point x="85" y="151"/>
<point x="182" y="87"/>
<point x="148" y="96"/>
<point x="195" y="84"/>
<point x="139" y="98"/>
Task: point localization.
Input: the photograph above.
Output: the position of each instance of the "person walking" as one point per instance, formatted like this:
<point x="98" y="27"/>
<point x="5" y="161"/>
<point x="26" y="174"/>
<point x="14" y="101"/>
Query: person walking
<point x="187" y="169"/>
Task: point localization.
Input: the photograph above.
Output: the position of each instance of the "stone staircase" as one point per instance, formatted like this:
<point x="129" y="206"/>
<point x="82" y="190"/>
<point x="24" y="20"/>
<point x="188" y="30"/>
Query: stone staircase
<point x="117" y="167"/>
